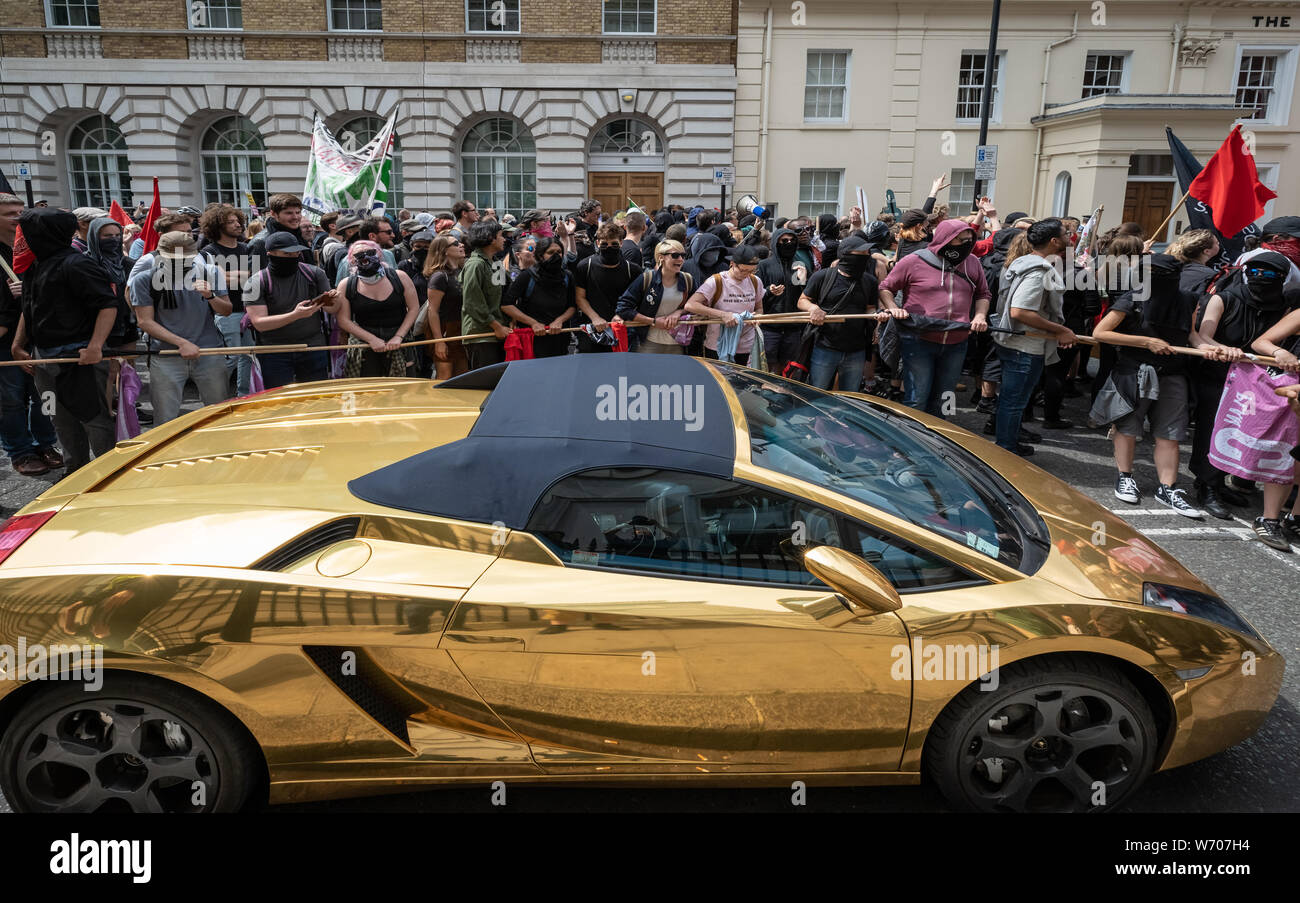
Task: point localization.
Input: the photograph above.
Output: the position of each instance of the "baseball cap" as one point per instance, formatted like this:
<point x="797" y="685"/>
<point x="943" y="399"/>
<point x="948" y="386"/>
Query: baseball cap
<point x="1282" y="225"/>
<point x="422" y="235"/>
<point x="175" y="245"/>
<point x="284" y="241"/>
<point x="746" y="255"/>
<point x="411" y="225"/>
<point x="347" y="221"/>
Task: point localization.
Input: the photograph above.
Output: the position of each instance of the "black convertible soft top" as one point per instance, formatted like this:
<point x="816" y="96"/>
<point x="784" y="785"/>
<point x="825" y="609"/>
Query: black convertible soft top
<point x="547" y="419"/>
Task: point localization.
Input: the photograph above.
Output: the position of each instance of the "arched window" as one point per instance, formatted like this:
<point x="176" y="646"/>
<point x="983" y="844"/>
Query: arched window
<point x="499" y="167"/>
<point x="98" y="170"/>
<point x="233" y="162"/>
<point x="357" y="133"/>
<point x="1061" y="197"/>
<point x="626" y="136"/>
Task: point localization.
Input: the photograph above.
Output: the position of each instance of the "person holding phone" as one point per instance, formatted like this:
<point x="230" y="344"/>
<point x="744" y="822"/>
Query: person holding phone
<point x="286" y="304"/>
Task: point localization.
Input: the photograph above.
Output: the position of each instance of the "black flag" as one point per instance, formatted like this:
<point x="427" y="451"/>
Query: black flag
<point x="1199" y="215"/>
<point x="5" y="187"/>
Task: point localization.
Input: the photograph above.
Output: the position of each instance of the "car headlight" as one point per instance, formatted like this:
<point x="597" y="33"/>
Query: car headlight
<point x="1198" y="605"/>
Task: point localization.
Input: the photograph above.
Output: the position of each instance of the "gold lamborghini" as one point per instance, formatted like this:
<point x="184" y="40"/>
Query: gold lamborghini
<point x="619" y="568"/>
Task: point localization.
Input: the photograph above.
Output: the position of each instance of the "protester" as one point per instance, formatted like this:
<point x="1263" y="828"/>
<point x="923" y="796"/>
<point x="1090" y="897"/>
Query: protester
<point x="413" y="264"/>
<point x="1033" y="302"/>
<point x="446" y="257"/>
<point x="1195" y="248"/>
<point x="734" y="296"/>
<point x="785" y="279"/>
<point x="600" y="280"/>
<point x="839" y="356"/>
<point x="481" y="292"/>
<point x="466" y="215"/>
<point x="334" y="250"/>
<point x="654" y="302"/>
<point x="286" y="303"/>
<point x="284" y="214"/>
<point x="1149" y="381"/>
<point x="26" y="431"/>
<point x="940" y="281"/>
<point x="223" y="225"/>
<point x="636" y="225"/>
<point x="84" y="217"/>
<point x="68" y="310"/>
<point x="377" y="308"/>
<point x="543" y="298"/>
<point x="1275" y="530"/>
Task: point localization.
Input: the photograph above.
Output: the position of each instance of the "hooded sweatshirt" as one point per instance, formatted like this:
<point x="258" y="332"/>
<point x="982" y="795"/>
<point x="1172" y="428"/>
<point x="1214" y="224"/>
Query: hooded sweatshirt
<point x="944" y="291"/>
<point x="257" y="247"/>
<point x="64" y="291"/>
<point x="709" y="258"/>
<point x="776" y="270"/>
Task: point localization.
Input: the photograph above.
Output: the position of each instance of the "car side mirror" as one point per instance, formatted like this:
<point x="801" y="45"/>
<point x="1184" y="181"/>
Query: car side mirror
<point x="863" y="585"/>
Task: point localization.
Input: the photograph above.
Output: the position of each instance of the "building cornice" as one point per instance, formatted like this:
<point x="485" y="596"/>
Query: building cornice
<point x="381" y="35"/>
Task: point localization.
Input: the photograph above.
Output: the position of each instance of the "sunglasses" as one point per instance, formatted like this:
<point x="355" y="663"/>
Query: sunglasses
<point x="675" y="255"/>
<point x="1261" y="275"/>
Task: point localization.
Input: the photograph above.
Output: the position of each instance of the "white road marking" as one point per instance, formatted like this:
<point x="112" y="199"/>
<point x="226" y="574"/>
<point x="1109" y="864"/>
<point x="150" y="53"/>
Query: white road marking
<point x="1143" y="511"/>
<point x="1196" y="531"/>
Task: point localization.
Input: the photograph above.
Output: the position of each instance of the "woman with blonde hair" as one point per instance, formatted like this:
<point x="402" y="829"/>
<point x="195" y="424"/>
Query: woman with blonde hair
<point x="1195" y="248"/>
<point x="254" y="229"/>
<point x="655" y="299"/>
<point x="445" y="258"/>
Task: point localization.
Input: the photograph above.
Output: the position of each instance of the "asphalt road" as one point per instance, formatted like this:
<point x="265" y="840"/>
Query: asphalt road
<point x="1260" y="775"/>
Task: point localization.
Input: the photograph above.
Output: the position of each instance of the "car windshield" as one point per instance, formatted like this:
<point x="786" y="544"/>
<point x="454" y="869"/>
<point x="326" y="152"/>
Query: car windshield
<point x="889" y="462"/>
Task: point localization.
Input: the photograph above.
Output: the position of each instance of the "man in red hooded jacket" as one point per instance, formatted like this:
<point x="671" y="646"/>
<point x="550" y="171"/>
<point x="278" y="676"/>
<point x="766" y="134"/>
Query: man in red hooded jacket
<point x="944" y="282"/>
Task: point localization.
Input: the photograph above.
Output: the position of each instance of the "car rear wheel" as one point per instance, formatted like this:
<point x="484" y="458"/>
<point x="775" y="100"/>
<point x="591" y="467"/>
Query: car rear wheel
<point x="136" y="745"/>
<point x="1057" y="735"/>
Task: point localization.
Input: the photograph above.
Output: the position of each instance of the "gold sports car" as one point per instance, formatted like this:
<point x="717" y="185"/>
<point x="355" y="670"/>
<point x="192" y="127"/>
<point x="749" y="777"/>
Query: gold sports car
<point x="622" y="568"/>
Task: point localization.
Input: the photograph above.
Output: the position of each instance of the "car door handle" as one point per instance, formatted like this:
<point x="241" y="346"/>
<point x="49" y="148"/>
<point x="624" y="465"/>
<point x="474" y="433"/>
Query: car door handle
<point x="830" y="610"/>
<point x="479" y="639"/>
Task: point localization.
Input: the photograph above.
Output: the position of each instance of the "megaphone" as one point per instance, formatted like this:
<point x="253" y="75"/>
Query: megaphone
<point x="749" y="204"/>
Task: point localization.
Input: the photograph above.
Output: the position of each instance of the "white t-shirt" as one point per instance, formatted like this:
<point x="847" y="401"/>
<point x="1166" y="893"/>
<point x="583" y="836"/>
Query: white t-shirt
<point x="736" y="297"/>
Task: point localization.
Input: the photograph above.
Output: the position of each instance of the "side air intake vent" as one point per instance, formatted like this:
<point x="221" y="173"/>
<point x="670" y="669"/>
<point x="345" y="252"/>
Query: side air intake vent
<point x="371" y="687"/>
<point x="315" y="540"/>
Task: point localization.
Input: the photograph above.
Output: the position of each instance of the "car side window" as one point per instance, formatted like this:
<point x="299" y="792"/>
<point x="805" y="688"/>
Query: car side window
<point x="704" y="527"/>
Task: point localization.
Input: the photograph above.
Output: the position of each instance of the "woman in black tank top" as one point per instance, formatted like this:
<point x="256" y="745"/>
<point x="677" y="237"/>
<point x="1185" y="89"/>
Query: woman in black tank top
<point x="377" y="311"/>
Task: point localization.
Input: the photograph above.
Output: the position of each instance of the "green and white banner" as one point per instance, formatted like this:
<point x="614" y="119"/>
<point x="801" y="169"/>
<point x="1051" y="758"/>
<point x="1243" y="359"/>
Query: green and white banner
<point x="338" y="179"/>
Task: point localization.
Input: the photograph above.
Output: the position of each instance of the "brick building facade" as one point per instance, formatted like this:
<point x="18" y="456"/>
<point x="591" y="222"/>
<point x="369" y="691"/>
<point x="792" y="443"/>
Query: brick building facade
<point x="543" y="104"/>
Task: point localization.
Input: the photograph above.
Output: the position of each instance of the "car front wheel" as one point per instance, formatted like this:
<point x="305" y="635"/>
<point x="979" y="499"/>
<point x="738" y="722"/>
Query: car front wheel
<point x="1055" y="736"/>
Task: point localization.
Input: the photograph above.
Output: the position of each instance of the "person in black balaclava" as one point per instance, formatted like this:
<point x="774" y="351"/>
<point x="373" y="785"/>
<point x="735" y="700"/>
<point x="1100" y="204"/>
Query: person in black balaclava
<point x="828" y="230"/>
<point x="709" y="258"/>
<point x="543" y="298"/>
<point x="785" y="278"/>
<point x="723" y="232"/>
<point x="68" y="310"/>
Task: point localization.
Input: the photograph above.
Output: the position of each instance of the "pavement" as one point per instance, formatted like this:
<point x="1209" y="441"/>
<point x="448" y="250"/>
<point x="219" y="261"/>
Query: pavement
<point x="1259" y="775"/>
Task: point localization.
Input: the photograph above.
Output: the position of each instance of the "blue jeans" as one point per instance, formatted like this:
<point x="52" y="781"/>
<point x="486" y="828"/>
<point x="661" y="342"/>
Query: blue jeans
<point x="24" y="426"/>
<point x="929" y="370"/>
<point x="235" y="337"/>
<point x="1020" y="374"/>
<point x="293" y="367"/>
<point x="827" y="363"/>
<point x="167" y="378"/>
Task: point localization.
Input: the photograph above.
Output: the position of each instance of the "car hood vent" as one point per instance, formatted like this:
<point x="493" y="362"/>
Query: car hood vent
<point x="312" y="541"/>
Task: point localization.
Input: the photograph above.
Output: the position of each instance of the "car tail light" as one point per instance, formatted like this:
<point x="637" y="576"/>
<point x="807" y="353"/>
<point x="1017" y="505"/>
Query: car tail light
<point x="16" y="530"/>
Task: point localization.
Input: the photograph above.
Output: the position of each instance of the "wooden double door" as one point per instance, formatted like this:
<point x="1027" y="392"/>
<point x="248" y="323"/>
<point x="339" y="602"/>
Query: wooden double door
<point x="613" y="189"/>
<point x="1148" y="203"/>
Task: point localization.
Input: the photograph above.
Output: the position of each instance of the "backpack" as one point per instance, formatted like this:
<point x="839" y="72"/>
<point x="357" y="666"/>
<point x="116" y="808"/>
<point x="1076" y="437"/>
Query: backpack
<point x="532" y="284"/>
<point x="264" y="289"/>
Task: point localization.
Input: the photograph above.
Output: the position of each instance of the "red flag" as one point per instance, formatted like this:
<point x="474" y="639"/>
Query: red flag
<point x="23" y="256"/>
<point x="118" y="215"/>
<point x="149" y="235"/>
<point x="1231" y="187"/>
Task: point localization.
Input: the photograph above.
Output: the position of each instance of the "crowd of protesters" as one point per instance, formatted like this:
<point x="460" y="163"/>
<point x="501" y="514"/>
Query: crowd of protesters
<point x="1002" y="307"/>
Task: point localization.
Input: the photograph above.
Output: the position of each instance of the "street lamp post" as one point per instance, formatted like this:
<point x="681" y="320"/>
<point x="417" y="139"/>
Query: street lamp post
<point x="986" y="91"/>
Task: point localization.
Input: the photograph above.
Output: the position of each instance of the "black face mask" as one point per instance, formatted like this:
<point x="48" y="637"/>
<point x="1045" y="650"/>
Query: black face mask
<point x="709" y="258"/>
<point x="419" y="254"/>
<point x="551" y="265"/>
<point x="1267" y="295"/>
<point x="955" y="254"/>
<point x="110" y="247"/>
<point x="367" y="264"/>
<point x="283" y="266"/>
<point x="785" y="248"/>
<point x="853" y="265"/>
<point x="611" y="256"/>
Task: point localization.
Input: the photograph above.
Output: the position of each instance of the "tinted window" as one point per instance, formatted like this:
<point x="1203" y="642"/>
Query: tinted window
<point x="703" y="527"/>
<point x="889" y="462"/>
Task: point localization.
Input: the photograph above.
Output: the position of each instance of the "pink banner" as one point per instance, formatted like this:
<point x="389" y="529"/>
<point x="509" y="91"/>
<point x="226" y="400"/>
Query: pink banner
<point x="1255" y="430"/>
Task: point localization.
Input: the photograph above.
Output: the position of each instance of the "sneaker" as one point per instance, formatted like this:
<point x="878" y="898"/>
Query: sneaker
<point x="1291" y="527"/>
<point x="1177" y="499"/>
<point x="987" y="405"/>
<point x="1270" y="534"/>
<point x="1126" y="489"/>
<point x="51" y="456"/>
<point x="1025" y="451"/>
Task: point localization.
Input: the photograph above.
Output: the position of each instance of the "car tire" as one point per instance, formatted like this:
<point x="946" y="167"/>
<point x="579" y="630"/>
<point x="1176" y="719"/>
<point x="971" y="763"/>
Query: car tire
<point x="138" y="744"/>
<point x="1058" y="734"/>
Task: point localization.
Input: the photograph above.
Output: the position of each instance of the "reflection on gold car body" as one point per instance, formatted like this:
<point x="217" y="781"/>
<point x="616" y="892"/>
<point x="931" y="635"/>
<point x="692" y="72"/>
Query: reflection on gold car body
<point x="361" y="648"/>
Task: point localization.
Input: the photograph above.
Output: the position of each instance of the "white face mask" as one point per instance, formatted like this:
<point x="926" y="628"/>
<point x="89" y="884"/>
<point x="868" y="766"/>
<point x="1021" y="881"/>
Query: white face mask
<point x="371" y="280"/>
